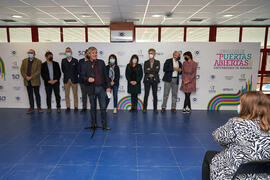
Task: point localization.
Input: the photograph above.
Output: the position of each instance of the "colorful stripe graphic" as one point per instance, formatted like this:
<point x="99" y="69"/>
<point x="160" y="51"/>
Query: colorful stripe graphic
<point x="2" y="69"/>
<point x="228" y="99"/>
<point x="125" y="103"/>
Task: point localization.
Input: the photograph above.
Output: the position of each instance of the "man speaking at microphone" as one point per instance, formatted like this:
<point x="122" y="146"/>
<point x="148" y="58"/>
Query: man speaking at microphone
<point x="97" y="83"/>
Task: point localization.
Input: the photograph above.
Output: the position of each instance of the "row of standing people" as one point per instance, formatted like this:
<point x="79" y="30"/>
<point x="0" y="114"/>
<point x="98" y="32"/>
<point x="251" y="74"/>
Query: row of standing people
<point x="72" y="69"/>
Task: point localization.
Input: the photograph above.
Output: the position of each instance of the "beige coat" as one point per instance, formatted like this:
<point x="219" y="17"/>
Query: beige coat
<point x="35" y="71"/>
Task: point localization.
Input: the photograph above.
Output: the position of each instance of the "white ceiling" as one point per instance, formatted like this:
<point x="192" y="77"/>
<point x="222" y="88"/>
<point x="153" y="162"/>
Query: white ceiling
<point x="53" y="12"/>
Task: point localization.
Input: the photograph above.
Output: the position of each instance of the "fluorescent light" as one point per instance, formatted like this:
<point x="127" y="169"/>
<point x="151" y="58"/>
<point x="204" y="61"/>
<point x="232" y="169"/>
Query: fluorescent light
<point x="227" y="15"/>
<point x="17" y="16"/>
<point x="156" y="15"/>
<point x="86" y="15"/>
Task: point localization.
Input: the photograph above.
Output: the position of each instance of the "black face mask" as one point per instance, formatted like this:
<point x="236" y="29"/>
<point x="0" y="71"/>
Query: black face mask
<point x="50" y="58"/>
<point x="87" y="57"/>
<point x="178" y="58"/>
<point x="186" y="58"/>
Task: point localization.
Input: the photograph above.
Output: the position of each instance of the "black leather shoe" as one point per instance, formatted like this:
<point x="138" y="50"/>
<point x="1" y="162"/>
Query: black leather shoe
<point x="83" y="110"/>
<point x="68" y="110"/>
<point x="93" y="127"/>
<point x="155" y="110"/>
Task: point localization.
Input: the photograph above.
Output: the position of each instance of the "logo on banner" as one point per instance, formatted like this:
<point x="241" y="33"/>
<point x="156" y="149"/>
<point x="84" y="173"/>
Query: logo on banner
<point x="212" y="77"/>
<point x="13" y="52"/>
<point x="228" y="77"/>
<point x="121" y="89"/>
<point x="242" y="78"/>
<point x="18" y="98"/>
<point x="212" y="89"/>
<point x="3" y="98"/>
<point x="2" y="69"/>
<point x="197" y="76"/>
<point x="195" y="99"/>
<point x="15" y="76"/>
<point x="228" y="99"/>
<point x="1" y="87"/>
<point x="233" y="59"/>
<point x="227" y="89"/>
<point x="15" y="65"/>
<point x="197" y="52"/>
<point x="16" y="88"/>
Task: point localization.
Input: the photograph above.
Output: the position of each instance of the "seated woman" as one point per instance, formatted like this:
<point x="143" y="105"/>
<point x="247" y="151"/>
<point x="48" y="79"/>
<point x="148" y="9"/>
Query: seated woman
<point x="245" y="138"/>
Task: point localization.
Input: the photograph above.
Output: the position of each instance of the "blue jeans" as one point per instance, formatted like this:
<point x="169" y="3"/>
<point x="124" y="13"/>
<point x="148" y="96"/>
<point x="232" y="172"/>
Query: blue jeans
<point x="115" y="97"/>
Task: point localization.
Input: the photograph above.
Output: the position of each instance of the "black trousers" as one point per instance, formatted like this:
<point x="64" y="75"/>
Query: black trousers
<point x="30" y="90"/>
<point x="187" y="101"/>
<point x="55" y="88"/>
<point x="100" y="94"/>
<point x="147" y="86"/>
<point x="134" y="101"/>
<point x="84" y="95"/>
<point x="206" y="164"/>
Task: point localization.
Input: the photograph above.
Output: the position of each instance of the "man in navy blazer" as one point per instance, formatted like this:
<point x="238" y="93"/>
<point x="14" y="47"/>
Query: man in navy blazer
<point x="97" y="83"/>
<point x="70" y="70"/>
<point x="172" y="70"/>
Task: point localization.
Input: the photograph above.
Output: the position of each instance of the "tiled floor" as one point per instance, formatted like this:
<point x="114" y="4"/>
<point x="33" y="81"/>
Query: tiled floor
<point x="140" y="146"/>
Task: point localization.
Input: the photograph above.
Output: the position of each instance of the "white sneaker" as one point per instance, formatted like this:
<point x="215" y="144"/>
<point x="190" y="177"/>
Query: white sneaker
<point x="114" y="111"/>
<point x="188" y="110"/>
<point x="184" y="110"/>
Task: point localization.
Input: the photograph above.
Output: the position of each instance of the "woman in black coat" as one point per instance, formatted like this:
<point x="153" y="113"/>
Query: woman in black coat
<point x="134" y="74"/>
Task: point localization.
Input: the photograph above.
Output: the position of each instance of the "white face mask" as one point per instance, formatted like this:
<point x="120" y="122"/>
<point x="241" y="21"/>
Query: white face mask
<point x="151" y="56"/>
<point x="134" y="61"/>
<point x="238" y="109"/>
<point x="112" y="61"/>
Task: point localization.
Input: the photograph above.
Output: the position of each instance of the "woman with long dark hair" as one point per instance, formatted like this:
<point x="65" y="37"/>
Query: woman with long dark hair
<point x="113" y="72"/>
<point x="134" y="74"/>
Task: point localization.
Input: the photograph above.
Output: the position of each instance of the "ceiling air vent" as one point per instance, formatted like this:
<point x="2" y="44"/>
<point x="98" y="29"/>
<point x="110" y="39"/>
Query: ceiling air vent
<point x="70" y="20"/>
<point x="260" y="19"/>
<point x="7" y="20"/>
<point x="196" y="20"/>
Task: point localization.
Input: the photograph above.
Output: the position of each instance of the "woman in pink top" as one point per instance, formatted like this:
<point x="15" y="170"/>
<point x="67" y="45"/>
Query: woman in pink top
<point x="188" y="80"/>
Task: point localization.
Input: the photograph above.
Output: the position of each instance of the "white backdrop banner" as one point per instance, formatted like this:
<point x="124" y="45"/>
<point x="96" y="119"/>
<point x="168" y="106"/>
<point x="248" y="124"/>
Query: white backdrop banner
<point x="225" y="71"/>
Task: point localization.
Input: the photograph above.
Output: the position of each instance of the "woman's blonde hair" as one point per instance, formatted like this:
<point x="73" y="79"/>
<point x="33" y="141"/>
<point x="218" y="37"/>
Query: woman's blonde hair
<point x="256" y="106"/>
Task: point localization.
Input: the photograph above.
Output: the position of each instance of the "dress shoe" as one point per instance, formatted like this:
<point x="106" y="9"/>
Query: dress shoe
<point x="83" y="110"/>
<point x="68" y="110"/>
<point x="163" y="110"/>
<point x="76" y="110"/>
<point x="58" y="110"/>
<point x="30" y="110"/>
<point x="49" y="110"/>
<point x="40" y="110"/>
<point x="174" y="110"/>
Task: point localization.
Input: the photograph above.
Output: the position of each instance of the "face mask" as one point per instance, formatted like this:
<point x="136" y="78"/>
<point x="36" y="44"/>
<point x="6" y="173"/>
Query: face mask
<point x="30" y="56"/>
<point x="134" y="61"/>
<point x="238" y="109"/>
<point x="178" y="58"/>
<point x="186" y="58"/>
<point x="151" y="56"/>
<point x="68" y="54"/>
<point x="50" y="58"/>
<point x="112" y="61"/>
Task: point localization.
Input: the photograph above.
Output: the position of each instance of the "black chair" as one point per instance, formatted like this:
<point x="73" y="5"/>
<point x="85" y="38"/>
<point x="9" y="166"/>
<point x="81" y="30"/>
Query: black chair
<point x="253" y="167"/>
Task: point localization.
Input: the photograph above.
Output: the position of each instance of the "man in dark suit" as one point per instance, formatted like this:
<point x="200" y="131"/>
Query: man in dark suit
<point x="51" y="74"/>
<point x="172" y="70"/>
<point x="70" y="70"/>
<point x="82" y="84"/>
<point x="151" y="79"/>
<point x="97" y="83"/>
